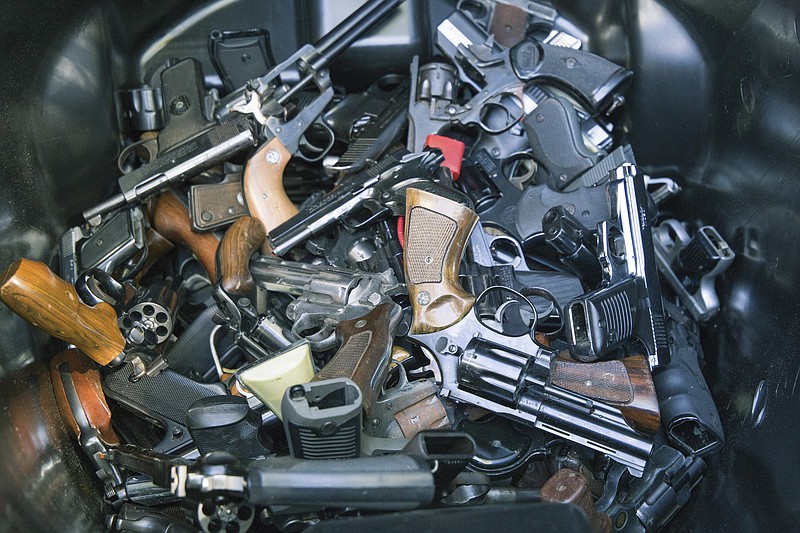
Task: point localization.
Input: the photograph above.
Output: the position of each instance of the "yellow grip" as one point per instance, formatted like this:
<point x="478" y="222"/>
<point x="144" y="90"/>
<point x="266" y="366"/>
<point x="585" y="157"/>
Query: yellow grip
<point x="51" y="304"/>
<point x="263" y="187"/>
<point x="437" y="230"/>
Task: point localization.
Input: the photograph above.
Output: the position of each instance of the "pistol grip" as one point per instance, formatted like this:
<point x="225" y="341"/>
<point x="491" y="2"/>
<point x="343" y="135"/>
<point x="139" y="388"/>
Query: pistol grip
<point x="626" y="384"/>
<point x="263" y="187"/>
<point x="171" y="219"/>
<point x="437" y="229"/>
<point x="243" y="238"/>
<point x="51" y="304"/>
<point x="88" y="391"/>
<point x="365" y="352"/>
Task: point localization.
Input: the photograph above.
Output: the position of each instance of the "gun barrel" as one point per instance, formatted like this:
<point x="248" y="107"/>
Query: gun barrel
<point x="363" y="19"/>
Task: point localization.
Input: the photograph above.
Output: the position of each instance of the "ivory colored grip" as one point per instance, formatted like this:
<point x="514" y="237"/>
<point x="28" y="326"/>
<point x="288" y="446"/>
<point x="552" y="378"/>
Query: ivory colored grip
<point x="85" y="378"/>
<point x="51" y="304"/>
<point x="243" y="238"/>
<point x="437" y="230"/>
<point x="263" y="187"/>
<point x="171" y="220"/>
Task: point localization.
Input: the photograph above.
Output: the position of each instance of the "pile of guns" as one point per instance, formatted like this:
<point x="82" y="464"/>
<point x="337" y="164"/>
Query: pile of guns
<point x="454" y="288"/>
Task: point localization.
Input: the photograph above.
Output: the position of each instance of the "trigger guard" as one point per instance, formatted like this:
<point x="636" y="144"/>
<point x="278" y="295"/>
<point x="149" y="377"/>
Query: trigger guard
<point x="378" y="212"/>
<point x="324" y="338"/>
<point x="496" y="101"/>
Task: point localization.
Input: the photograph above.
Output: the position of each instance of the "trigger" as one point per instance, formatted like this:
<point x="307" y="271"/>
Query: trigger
<point x="371" y="212"/>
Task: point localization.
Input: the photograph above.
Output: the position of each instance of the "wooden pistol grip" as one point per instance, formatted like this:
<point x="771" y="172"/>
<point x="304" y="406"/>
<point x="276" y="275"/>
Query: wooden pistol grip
<point x="171" y="219"/>
<point x="157" y="247"/>
<point x="625" y="384"/>
<point x="87" y="386"/>
<point x="569" y="486"/>
<point x="263" y="187"/>
<point x="243" y="238"/>
<point x="365" y="352"/>
<point x="437" y="229"/>
<point x="51" y="304"/>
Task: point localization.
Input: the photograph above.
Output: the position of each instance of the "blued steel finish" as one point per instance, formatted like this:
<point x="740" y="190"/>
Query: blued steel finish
<point x="718" y="78"/>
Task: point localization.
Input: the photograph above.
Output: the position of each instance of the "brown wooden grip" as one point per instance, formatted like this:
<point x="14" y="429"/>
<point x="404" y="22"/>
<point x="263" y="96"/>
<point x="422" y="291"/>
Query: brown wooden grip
<point x="626" y="384"/>
<point x="244" y="237"/>
<point x="85" y="378"/>
<point x="171" y="219"/>
<point x="569" y="486"/>
<point x="263" y="187"/>
<point x="157" y="247"/>
<point x="365" y="351"/>
<point x="51" y="304"/>
<point x="437" y="230"/>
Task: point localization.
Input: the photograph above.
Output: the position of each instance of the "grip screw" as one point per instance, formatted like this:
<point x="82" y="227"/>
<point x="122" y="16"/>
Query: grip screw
<point x="424" y="298"/>
<point x="273" y="157"/>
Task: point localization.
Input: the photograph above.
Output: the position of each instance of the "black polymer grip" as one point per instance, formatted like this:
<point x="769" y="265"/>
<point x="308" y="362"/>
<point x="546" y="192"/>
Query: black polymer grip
<point x="388" y="482"/>
<point x="165" y="397"/>
<point x="226" y="423"/>
<point x="556" y="138"/>
<point x="688" y="410"/>
<point x="192" y="351"/>
<point x="588" y="77"/>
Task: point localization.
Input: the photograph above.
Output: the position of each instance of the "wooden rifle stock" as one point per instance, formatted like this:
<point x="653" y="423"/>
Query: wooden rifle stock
<point x="51" y="304"/>
<point x="626" y="384"/>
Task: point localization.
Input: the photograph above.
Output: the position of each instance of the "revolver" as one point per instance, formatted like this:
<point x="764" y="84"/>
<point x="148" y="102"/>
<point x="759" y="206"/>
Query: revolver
<point x="488" y="358"/>
<point x="499" y="77"/>
<point x="324" y="296"/>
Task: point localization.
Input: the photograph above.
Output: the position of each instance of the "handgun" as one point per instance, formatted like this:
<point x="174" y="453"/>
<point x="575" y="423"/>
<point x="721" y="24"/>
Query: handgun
<point x="377" y="191"/>
<point x="365" y="351"/>
<point x="653" y="499"/>
<point x="105" y="247"/>
<point x="265" y="97"/>
<point x="495" y="363"/>
<point x="369" y="122"/>
<point x="164" y="398"/>
<point x="51" y="304"/>
<point x="250" y="114"/>
<point x="499" y="261"/>
<point x="324" y="296"/>
<point x="80" y="399"/>
<point x="171" y="219"/>
<point x="499" y="77"/>
<point x="690" y="415"/>
<point x="691" y="264"/>
<point x="628" y="302"/>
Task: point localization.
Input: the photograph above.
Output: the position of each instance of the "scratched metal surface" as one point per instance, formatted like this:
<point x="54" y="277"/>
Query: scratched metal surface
<point x="715" y="103"/>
